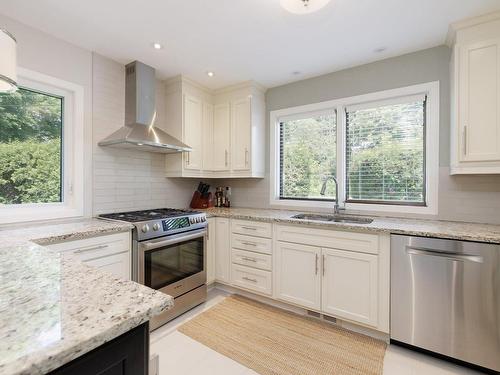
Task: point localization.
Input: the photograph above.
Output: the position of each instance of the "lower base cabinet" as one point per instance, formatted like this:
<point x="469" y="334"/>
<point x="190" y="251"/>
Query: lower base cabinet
<point x="222" y="250"/>
<point x="297" y="274"/>
<point x="127" y="354"/>
<point x="350" y="285"/>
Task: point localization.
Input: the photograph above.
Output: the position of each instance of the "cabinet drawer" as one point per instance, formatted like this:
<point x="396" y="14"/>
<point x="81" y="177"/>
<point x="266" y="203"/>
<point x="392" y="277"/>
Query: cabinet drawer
<point x="334" y="239"/>
<point x="252" y="279"/>
<point x="247" y="258"/>
<point x="252" y="243"/>
<point x="95" y="247"/>
<point x="252" y="228"/>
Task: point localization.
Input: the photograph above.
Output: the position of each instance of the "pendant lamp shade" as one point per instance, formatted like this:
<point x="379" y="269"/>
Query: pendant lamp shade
<point x="8" y="63"/>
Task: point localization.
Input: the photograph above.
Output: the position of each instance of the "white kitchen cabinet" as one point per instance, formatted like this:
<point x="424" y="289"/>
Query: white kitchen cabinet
<point x="193" y="118"/>
<point x="241" y="131"/>
<point x="297" y="274"/>
<point x="350" y="285"/>
<point x="210" y="253"/>
<point x="111" y="253"/>
<point x="221" y="137"/>
<point x="475" y="86"/>
<point x="224" y="127"/>
<point x="222" y="250"/>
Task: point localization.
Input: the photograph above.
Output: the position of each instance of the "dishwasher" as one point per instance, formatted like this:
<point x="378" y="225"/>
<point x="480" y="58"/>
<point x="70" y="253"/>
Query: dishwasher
<point x="445" y="298"/>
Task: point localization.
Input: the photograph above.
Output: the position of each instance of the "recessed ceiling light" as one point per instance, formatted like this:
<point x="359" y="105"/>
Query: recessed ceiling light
<point x="157" y="46"/>
<point x="303" y="6"/>
<point x="210" y="74"/>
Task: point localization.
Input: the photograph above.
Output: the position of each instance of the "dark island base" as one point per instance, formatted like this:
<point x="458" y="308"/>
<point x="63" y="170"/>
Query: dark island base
<point x="128" y="354"/>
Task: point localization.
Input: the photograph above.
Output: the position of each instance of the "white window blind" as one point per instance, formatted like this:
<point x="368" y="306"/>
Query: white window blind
<point x="385" y="151"/>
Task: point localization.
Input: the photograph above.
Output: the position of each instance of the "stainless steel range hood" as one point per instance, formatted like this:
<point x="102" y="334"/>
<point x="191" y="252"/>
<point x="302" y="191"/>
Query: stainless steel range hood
<point x="139" y="131"/>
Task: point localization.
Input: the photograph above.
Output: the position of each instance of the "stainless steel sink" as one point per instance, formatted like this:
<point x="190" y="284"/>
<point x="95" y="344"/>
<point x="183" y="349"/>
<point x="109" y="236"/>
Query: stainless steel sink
<point x="334" y="218"/>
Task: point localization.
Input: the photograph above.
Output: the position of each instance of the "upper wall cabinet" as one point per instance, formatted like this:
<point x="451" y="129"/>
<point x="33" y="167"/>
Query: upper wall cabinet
<point x="475" y="90"/>
<point x="225" y="128"/>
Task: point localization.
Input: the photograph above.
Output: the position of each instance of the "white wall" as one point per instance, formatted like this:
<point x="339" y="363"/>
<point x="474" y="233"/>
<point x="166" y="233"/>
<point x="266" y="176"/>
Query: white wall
<point x="127" y="179"/>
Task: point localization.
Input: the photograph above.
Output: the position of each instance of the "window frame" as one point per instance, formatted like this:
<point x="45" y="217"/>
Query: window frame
<point x="72" y="170"/>
<point x="430" y="89"/>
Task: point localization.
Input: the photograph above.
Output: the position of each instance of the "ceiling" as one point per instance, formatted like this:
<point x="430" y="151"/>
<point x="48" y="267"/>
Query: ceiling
<point x="246" y="39"/>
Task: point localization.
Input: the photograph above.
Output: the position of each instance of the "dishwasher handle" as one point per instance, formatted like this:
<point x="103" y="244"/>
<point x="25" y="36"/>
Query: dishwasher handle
<point x="411" y="250"/>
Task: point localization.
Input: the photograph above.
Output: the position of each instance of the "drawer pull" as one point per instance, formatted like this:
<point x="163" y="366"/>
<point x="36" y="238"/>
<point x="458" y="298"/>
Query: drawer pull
<point x="249" y="243"/>
<point x="105" y="256"/>
<point x="248" y="228"/>
<point x="249" y="279"/>
<point x="249" y="259"/>
<point x="316" y="264"/>
<point x="80" y="251"/>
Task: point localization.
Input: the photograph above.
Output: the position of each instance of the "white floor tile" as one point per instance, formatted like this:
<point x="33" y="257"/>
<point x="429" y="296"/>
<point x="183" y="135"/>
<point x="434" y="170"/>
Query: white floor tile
<point x="181" y="355"/>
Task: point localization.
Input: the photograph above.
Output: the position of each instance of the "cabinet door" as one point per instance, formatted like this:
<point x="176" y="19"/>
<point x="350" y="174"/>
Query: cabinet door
<point x="222" y="137"/>
<point x="193" y="117"/>
<point x="298" y="279"/>
<point x="211" y="251"/>
<point x="241" y="130"/>
<point x="479" y="101"/>
<point x="117" y="264"/>
<point x="350" y="285"/>
<point x="222" y="250"/>
<point x="207" y="136"/>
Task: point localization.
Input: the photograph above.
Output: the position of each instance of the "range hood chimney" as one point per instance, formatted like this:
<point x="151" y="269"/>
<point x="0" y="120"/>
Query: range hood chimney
<point x="139" y="131"/>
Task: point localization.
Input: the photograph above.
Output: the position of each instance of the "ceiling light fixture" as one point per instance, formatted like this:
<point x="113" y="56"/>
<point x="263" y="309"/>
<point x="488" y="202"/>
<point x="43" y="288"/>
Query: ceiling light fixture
<point x="379" y="49"/>
<point x="157" y="46"/>
<point x="210" y="74"/>
<point x="303" y="6"/>
<point x="8" y="65"/>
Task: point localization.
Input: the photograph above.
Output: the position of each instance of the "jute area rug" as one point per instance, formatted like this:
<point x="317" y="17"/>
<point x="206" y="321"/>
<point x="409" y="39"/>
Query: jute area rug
<point x="273" y="341"/>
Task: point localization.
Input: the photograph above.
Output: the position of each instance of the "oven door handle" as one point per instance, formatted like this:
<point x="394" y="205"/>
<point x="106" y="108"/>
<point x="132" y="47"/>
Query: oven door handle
<point x="156" y="244"/>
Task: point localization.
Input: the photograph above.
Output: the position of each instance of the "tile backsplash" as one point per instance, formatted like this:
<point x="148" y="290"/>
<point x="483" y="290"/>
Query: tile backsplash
<point x="127" y="179"/>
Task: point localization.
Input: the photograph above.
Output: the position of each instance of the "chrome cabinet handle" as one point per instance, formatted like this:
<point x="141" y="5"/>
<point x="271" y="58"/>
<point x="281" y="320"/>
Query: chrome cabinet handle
<point x="188" y="159"/>
<point x="249" y="228"/>
<point x="80" y="251"/>
<point x="464" y="139"/>
<point x="105" y="256"/>
<point x="316" y="264"/>
<point x="249" y="243"/>
<point x="249" y="279"/>
<point x="442" y="254"/>
<point x="246" y="156"/>
<point x="249" y="259"/>
<point x="225" y="157"/>
<point x="323" y="264"/>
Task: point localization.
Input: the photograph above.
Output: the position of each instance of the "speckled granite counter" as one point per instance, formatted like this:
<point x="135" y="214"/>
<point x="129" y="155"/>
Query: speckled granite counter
<point x="54" y="309"/>
<point x="417" y="227"/>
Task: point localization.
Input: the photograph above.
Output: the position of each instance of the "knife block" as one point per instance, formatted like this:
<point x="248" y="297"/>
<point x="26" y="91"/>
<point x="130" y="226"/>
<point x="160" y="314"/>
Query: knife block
<point x="198" y="201"/>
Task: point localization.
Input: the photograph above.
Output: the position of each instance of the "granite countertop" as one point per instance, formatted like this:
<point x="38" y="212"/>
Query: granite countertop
<point x="416" y="227"/>
<point x="54" y="309"/>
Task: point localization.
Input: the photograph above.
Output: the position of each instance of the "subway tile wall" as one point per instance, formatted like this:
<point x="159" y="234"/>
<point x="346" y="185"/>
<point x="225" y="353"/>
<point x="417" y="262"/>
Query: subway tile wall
<point x="127" y="179"/>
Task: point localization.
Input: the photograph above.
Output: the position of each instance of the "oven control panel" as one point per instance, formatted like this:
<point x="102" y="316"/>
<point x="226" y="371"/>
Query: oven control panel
<point x="165" y="227"/>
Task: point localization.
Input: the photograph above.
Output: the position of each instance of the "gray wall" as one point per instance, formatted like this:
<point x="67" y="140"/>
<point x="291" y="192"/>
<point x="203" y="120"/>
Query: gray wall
<point x="461" y="198"/>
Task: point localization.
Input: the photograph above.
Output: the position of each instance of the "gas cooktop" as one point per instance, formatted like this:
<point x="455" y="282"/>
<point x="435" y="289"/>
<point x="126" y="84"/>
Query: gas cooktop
<point x="146" y="215"/>
<point x="160" y="222"/>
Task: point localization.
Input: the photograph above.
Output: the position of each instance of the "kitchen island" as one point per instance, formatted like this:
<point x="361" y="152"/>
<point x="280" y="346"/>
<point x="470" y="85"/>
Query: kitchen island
<point x="57" y="313"/>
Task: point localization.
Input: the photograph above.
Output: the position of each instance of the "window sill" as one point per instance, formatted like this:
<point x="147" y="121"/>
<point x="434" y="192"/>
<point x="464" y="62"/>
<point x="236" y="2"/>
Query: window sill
<point x="38" y="212"/>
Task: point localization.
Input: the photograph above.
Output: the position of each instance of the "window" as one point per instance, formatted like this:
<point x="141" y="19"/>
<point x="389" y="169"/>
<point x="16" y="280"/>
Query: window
<point x="31" y="125"/>
<point x="385" y="153"/>
<point x="307" y="155"/>
<point x="41" y="149"/>
<point x="383" y="149"/>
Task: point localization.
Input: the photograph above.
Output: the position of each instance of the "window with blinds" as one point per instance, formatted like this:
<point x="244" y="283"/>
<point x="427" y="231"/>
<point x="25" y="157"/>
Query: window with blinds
<point x="385" y="152"/>
<point x="308" y="155"/>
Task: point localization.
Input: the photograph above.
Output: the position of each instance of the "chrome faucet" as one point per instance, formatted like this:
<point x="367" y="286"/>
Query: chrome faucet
<point x="336" y="207"/>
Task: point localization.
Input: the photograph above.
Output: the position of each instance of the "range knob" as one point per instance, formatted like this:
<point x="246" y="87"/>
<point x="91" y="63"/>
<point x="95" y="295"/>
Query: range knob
<point x="156" y="226"/>
<point x="198" y="220"/>
<point x="191" y="220"/>
<point x="145" y="228"/>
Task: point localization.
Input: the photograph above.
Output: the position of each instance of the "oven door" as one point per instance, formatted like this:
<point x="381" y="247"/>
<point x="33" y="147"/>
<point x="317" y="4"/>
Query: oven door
<point x="174" y="264"/>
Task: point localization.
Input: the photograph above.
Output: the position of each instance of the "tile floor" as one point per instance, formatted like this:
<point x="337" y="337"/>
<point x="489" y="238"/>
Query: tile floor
<point x="182" y="355"/>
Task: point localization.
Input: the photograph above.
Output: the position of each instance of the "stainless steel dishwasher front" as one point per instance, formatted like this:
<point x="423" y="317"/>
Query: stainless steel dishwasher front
<point x="445" y="297"/>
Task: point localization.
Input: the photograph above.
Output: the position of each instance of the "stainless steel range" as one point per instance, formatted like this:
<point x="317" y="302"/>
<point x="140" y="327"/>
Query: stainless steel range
<point x="169" y="254"/>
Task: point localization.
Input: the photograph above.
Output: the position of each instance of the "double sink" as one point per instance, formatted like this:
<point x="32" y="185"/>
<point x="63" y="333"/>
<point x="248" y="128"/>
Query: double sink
<point x="334" y="218"/>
